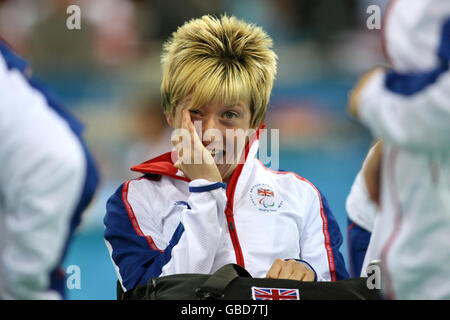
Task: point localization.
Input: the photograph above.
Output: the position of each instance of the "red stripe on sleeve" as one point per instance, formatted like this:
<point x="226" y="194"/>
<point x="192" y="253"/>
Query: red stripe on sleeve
<point x="133" y="219"/>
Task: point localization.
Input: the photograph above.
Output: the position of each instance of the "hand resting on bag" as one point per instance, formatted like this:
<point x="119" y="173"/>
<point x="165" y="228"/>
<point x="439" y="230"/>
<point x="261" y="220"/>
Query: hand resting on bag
<point x="291" y="269"/>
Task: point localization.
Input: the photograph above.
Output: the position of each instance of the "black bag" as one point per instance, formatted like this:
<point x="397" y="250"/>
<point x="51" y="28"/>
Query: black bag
<point x="232" y="282"/>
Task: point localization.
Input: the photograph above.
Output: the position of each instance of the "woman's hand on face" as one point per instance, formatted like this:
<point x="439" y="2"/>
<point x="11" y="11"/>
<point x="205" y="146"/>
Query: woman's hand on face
<point x="194" y="159"/>
<point x="290" y="269"/>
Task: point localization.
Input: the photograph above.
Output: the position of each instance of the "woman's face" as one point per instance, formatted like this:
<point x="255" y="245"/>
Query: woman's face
<point x="222" y="128"/>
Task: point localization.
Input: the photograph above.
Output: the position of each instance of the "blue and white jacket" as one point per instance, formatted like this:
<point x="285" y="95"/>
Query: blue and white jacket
<point x="47" y="179"/>
<point x="408" y="107"/>
<point x="162" y="223"/>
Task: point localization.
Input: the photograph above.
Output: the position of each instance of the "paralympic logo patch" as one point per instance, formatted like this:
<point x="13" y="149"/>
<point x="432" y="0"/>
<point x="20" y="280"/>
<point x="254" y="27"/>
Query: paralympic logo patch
<point x="264" y="198"/>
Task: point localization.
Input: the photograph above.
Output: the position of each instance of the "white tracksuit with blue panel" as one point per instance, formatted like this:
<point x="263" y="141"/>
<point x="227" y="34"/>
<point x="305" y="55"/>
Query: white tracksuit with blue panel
<point x="408" y="108"/>
<point x="47" y="178"/>
<point x="163" y="224"/>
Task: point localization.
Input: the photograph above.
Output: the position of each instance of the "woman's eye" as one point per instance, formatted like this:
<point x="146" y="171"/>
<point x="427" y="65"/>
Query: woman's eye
<point x="230" y="115"/>
<point x="195" y="112"/>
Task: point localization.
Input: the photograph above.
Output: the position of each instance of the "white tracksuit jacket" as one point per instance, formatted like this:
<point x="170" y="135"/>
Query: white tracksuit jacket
<point x="363" y="222"/>
<point x="409" y="109"/>
<point x="47" y="178"/>
<point x="163" y="224"/>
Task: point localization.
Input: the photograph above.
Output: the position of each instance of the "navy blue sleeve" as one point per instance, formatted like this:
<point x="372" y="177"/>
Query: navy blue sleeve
<point x="358" y="241"/>
<point x="336" y="241"/>
<point x="408" y="84"/>
<point x="136" y="260"/>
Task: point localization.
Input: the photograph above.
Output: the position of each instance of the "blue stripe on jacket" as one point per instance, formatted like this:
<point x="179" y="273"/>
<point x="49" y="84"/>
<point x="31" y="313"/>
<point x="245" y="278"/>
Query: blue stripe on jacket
<point x="410" y="84"/>
<point x="13" y="61"/>
<point x="136" y="260"/>
<point x="209" y="187"/>
<point x="336" y="240"/>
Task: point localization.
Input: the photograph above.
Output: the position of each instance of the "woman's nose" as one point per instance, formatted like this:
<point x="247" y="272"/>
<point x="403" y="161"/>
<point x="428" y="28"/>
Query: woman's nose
<point x="210" y="129"/>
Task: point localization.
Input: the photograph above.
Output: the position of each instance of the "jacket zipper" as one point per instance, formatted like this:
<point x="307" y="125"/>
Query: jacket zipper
<point x="231" y="187"/>
<point x="233" y="235"/>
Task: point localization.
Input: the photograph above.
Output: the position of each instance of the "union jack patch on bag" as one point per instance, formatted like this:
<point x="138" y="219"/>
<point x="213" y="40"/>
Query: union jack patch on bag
<point x="259" y="293"/>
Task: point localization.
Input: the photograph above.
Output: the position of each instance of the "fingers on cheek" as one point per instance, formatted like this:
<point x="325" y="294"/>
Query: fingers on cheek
<point x="188" y="123"/>
<point x="178" y="146"/>
<point x="175" y="139"/>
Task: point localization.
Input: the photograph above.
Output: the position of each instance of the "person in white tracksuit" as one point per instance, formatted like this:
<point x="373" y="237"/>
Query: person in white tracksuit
<point x="362" y="219"/>
<point x="408" y="108"/>
<point x="184" y="216"/>
<point x="47" y="179"/>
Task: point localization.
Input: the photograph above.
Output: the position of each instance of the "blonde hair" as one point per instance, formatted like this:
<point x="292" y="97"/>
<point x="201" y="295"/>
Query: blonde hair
<point x="222" y="59"/>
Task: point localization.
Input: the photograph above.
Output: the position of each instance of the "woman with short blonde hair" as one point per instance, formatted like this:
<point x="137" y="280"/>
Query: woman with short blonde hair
<point x="184" y="217"/>
<point x="224" y="59"/>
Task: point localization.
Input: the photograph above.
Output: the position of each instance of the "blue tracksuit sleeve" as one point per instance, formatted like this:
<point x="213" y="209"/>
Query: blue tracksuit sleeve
<point x="336" y="241"/>
<point x="133" y="255"/>
<point x="321" y="241"/>
<point x="358" y="241"/>
<point x="143" y="245"/>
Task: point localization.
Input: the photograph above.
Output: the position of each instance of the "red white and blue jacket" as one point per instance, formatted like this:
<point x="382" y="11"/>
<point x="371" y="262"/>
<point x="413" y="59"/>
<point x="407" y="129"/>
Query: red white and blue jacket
<point x="408" y="107"/>
<point x="162" y="223"/>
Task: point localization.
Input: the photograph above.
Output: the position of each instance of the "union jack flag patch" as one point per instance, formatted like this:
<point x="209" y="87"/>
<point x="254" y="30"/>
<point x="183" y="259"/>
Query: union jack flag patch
<point x="259" y="293"/>
<point x="265" y="192"/>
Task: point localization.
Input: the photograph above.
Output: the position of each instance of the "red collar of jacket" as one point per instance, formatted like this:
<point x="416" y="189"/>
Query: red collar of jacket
<point x="164" y="165"/>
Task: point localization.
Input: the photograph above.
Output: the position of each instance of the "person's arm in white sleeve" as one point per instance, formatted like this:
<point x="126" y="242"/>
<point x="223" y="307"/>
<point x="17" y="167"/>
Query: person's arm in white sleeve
<point x="138" y="247"/>
<point x="202" y="231"/>
<point x="420" y="121"/>
<point x="41" y="178"/>
<point x="362" y="205"/>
